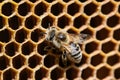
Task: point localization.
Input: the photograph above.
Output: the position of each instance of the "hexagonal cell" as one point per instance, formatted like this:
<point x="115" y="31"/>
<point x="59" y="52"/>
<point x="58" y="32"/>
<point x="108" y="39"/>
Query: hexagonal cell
<point x="72" y="73"/>
<point x="97" y="59"/>
<point x="49" y="1"/>
<point x="87" y="72"/>
<point x="73" y="9"/>
<point x="117" y="73"/>
<point x="24" y="9"/>
<point x="37" y="35"/>
<point x="31" y="22"/>
<point x="90" y="8"/>
<point x="9" y="74"/>
<point x="27" y="48"/>
<point x="107" y="8"/>
<point x="80" y="21"/>
<point x="26" y="74"/>
<point x="47" y="21"/>
<point x="2" y="22"/>
<point x="91" y="47"/>
<point x="102" y="34"/>
<point x="5" y="35"/>
<point x="18" y="61"/>
<point x="11" y="48"/>
<point x="17" y="1"/>
<point x="57" y="8"/>
<point x="108" y="46"/>
<point x="49" y="61"/>
<point x="41" y="73"/>
<point x="96" y="21"/>
<point x="103" y="72"/>
<point x="114" y="59"/>
<point x="21" y="35"/>
<point x="63" y="21"/>
<point x="116" y="34"/>
<point x="57" y="73"/>
<point x="40" y="48"/>
<point x="8" y="9"/>
<point x="4" y="62"/>
<point x="40" y="8"/>
<point x="34" y="61"/>
<point x="113" y="21"/>
<point x="14" y="22"/>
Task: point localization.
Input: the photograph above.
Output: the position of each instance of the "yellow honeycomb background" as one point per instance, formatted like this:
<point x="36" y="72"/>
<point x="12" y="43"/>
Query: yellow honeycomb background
<point x="21" y="45"/>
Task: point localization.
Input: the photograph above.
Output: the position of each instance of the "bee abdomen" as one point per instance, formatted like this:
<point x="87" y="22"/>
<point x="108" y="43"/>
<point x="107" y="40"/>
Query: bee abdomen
<point x="77" y="56"/>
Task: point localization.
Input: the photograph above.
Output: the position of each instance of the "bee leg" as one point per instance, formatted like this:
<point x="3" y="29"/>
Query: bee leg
<point x="64" y="58"/>
<point x="47" y="48"/>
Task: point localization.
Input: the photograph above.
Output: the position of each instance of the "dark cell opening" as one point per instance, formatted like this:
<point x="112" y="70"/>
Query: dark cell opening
<point x="18" y="61"/>
<point x="103" y="72"/>
<point x="63" y="21"/>
<point x="57" y="9"/>
<point x="31" y="22"/>
<point x="27" y="48"/>
<point x="14" y="22"/>
<point x="107" y="8"/>
<point x="86" y="73"/>
<point x="96" y="60"/>
<point x="117" y="73"/>
<point x="90" y="47"/>
<point x="21" y="35"/>
<point x="73" y="9"/>
<point x="25" y="74"/>
<point x="49" y="61"/>
<point x="8" y="9"/>
<point x="102" y="34"/>
<point x="90" y="8"/>
<point x="108" y="46"/>
<point x="2" y="22"/>
<point x="57" y="73"/>
<point x="4" y="62"/>
<point x="11" y="49"/>
<point x="34" y="61"/>
<point x="9" y="74"/>
<point x="40" y="8"/>
<point x="113" y="21"/>
<point x="80" y="21"/>
<point x="47" y="21"/>
<point x="41" y="73"/>
<point x="24" y="9"/>
<point x="116" y="34"/>
<point x="5" y="35"/>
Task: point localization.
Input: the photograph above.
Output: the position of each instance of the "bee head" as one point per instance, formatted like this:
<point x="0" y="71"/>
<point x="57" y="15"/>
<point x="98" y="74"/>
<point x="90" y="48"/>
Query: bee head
<point x="61" y="36"/>
<point x="51" y="31"/>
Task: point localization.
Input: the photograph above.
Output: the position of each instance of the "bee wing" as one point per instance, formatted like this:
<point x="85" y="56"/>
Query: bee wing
<point x="79" y="38"/>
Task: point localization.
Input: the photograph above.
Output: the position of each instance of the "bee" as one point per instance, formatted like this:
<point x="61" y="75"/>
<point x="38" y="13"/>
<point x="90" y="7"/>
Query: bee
<point x="68" y="43"/>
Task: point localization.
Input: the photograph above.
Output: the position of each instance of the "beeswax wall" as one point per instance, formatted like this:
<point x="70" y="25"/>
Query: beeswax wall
<point x="21" y="45"/>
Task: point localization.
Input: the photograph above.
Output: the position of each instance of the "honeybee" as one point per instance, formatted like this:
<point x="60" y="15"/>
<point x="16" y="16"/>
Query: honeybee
<point x="67" y="43"/>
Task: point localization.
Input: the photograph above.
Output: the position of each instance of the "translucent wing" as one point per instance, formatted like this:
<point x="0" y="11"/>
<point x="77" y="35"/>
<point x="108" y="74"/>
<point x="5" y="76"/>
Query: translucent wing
<point x="79" y="38"/>
<point x="83" y="37"/>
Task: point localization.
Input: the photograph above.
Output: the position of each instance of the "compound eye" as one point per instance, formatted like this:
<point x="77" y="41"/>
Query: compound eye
<point x="61" y="36"/>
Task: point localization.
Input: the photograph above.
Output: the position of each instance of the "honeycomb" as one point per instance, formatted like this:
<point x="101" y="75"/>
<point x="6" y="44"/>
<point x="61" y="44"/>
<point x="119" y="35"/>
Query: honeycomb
<point x="21" y="45"/>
